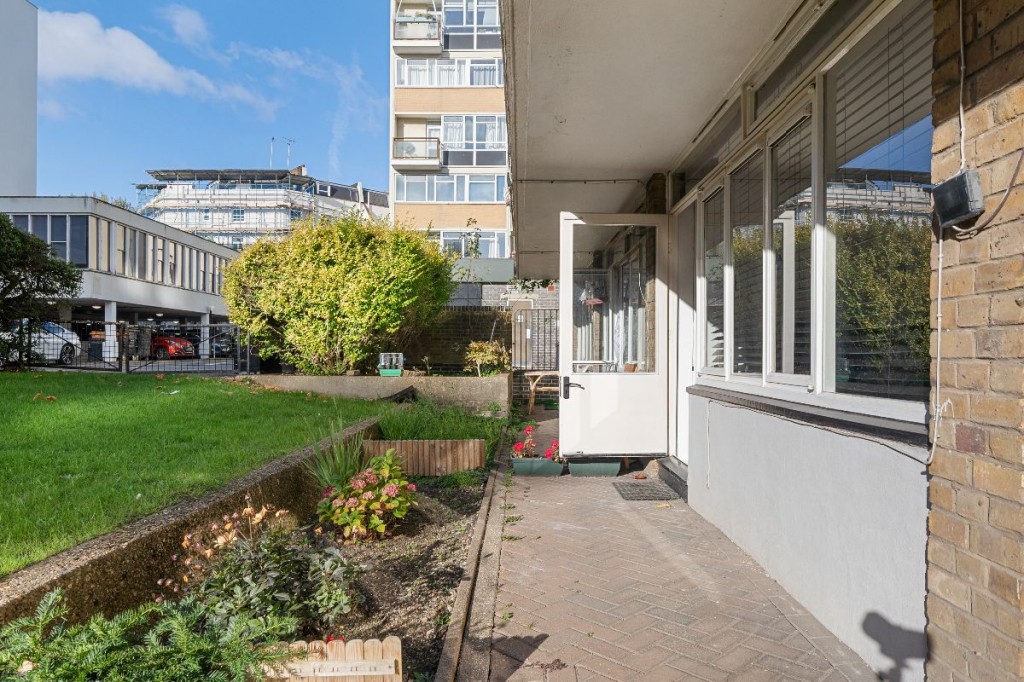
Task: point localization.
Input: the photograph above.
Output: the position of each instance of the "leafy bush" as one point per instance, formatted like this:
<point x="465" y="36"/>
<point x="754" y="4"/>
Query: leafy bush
<point x="243" y="570"/>
<point x="489" y="357"/>
<point x="333" y="293"/>
<point x="157" y="642"/>
<point x="371" y="501"/>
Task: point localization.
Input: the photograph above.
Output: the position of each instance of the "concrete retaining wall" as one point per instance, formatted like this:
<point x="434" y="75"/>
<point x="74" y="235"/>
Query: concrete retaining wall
<point x="119" y="570"/>
<point x="479" y="394"/>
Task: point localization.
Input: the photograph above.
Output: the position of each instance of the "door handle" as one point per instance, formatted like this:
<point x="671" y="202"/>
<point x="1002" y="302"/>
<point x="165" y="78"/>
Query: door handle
<point x="566" y="385"/>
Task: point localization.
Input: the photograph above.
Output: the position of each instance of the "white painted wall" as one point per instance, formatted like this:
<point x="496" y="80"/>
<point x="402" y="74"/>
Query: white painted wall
<point x="838" y="520"/>
<point x="18" y="66"/>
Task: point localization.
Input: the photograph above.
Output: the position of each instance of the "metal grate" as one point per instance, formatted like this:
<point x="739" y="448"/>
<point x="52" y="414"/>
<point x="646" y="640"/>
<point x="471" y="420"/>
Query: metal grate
<point x="641" y="491"/>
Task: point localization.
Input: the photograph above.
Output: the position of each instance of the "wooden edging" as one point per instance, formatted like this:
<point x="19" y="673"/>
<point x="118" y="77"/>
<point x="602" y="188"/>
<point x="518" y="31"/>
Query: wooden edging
<point x="451" y="652"/>
<point x="433" y="457"/>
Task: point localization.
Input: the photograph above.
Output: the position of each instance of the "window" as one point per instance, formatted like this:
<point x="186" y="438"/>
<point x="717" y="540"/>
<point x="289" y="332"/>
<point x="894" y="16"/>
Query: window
<point x="714" y="280"/>
<point x="79" y="241"/>
<point x="793" y="270"/>
<point x="20" y="222"/>
<point x="479" y="140"/>
<point x="238" y="215"/>
<point x="878" y="174"/>
<point x="59" y="236"/>
<point x="746" y="217"/>
<point x="470" y="25"/>
<point x="460" y="188"/>
<point x="158" y="260"/>
<point x="790" y="242"/>
<point x="472" y="244"/>
<point x="206" y="215"/>
<point x="449" y="73"/>
<point x="295" y="214"/>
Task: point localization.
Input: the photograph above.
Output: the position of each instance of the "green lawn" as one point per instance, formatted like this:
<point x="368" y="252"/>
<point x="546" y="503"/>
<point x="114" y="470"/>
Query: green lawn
<point x="113" y="447"/>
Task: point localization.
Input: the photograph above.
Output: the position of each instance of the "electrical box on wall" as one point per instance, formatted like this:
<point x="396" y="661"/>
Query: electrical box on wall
<point x="958" y="199"/>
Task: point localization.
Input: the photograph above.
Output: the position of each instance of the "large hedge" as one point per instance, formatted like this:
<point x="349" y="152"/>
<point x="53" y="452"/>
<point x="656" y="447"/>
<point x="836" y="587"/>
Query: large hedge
<point x="332" y="294"/>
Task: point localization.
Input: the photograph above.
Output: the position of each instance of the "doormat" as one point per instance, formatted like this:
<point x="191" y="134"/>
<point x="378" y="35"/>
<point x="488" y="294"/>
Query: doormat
<point x="642" y="491"/>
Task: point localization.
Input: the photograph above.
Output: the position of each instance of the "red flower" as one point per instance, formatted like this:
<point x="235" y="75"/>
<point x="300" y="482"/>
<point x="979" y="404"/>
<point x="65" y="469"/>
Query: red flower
<point x="528" y="430"/>
<point x="518" y="447"/>
<point x="549" y="453"/>
<point x="554" y="444"/>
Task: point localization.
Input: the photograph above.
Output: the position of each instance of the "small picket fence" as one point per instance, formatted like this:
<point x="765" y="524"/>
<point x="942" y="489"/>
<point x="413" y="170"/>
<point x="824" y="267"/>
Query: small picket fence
<point x="432" y="457"/>
<point x="356" y="660"/>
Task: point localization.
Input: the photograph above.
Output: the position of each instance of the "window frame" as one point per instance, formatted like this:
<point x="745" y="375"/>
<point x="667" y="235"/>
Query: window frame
<point x="816" y="391"/>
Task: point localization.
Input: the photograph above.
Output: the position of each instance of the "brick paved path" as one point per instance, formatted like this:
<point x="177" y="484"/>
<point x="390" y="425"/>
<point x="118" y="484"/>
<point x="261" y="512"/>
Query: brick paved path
<point x="592" y="587"/>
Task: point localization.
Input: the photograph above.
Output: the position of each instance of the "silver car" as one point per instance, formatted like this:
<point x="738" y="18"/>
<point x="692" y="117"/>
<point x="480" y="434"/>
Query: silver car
<point x="50" y="342"/>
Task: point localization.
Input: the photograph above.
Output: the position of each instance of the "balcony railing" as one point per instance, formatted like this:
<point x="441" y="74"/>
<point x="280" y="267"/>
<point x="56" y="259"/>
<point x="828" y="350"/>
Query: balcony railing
<point x="416" y="152"/>
<point x="418" y="33"/>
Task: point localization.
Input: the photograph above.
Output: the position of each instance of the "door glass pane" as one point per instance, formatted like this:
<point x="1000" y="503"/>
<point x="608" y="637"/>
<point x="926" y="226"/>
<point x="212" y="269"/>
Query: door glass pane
<point x="746" y="194"/>
<point x="791" y="249"/>
<point x="614" y="299"/>
<point x="714" y="281"/>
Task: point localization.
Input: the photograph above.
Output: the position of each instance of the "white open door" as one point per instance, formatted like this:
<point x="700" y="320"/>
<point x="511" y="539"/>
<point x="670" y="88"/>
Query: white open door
<point x="613" y="335"/>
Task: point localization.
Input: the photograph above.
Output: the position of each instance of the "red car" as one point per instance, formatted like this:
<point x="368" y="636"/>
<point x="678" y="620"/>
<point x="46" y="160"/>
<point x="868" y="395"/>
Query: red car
<point x="164" y="347"/>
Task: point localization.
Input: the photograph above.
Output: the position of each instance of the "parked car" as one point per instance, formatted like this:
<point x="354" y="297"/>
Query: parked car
<point x="165" y="347"/>
<point x="49" y="342"/>
<point x="222" y="345"/>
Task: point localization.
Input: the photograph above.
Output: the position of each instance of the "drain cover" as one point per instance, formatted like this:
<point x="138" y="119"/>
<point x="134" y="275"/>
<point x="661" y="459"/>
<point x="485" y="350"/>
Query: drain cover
<point x="638" y="491"/>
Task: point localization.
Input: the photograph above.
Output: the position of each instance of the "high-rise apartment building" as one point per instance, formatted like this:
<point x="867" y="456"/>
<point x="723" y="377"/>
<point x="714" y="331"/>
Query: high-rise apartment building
<point x="449" y="143"/>
<point x="18" y="35"/>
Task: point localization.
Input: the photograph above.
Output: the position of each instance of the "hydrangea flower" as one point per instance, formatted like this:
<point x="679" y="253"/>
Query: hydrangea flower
<point x="391" y="490"/>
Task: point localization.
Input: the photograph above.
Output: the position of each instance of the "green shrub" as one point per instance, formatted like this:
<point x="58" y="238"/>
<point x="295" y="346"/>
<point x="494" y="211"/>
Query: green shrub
<point x="488" y="357"/>
<point x="333" y="293"/>
<point x="339" y="461"/>
<point x="244" y="569"/>
<point x="157" y="642"/>
<point x="371" y="501"/>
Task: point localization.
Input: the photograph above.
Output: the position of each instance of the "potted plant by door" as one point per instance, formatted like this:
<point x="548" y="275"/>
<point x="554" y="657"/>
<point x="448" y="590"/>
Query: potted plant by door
<point x="526" y="461"/>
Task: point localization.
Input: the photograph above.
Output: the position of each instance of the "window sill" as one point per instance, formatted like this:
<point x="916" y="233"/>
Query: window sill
<point x="903" y="421"/>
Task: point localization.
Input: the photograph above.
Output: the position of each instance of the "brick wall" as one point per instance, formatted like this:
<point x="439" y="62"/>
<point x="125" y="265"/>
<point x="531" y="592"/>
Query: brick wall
<point x="445" y="342"/>
<point x="976" y="492"/>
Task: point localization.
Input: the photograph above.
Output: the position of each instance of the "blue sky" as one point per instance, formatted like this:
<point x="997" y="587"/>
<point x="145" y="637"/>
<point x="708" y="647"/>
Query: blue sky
<point x="126" y="86"/>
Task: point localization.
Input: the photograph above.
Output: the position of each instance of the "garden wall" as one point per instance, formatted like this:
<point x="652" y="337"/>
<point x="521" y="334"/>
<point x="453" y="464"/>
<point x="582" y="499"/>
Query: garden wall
<point x="445" y="342"/>
<point x="119" y="570"/>
<point x="478" y="394"/>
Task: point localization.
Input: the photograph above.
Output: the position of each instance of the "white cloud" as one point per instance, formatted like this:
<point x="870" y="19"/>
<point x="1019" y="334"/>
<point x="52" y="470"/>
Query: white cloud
<point x="275" y="57"/>
<point x="51" y="108"/>
<point x="358" y="106"/>
<point x="188" y="25"/>
<point x="76" y="46"/>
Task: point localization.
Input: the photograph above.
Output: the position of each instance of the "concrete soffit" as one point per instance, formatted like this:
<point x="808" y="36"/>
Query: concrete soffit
<point x="597" y="102"/>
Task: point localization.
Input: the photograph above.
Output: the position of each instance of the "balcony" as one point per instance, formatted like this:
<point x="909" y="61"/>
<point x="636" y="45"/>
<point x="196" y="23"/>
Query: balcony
<point x="416" y="153"/>
<point x="418" y="34"/>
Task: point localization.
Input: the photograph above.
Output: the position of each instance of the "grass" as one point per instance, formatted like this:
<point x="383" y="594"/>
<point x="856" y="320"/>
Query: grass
<point x="108" y="448"/>
<point x="426" y="421"/>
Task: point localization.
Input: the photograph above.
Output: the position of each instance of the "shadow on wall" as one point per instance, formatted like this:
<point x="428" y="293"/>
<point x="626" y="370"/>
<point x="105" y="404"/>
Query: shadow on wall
<point x="896" y="643"/>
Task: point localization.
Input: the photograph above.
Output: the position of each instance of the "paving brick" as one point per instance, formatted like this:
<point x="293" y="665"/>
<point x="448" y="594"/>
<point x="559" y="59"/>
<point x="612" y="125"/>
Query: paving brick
<point x="621" y="590"/>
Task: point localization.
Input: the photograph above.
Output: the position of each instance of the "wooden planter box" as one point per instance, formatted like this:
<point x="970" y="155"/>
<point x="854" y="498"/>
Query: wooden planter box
<point x="536" y="466"/>
<point x="432" y="457"/>
<point x="339" y="661"/>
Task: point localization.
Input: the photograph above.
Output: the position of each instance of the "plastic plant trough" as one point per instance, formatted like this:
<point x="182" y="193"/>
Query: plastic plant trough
<point x="536" y="466"/>
<point x="604" y="467"/>
<point x="391" y="372"/>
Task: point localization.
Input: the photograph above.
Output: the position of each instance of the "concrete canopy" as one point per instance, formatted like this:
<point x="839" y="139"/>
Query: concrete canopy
<point x="610" y="90"/>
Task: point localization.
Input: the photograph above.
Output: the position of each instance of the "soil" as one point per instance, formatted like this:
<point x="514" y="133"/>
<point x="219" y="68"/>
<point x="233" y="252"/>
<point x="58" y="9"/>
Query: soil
<point x="413" y="576"/>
